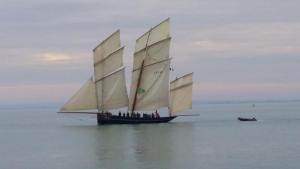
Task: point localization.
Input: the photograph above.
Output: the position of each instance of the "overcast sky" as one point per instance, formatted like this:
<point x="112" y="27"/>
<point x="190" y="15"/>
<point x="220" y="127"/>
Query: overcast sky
<point x="237" y="49"/>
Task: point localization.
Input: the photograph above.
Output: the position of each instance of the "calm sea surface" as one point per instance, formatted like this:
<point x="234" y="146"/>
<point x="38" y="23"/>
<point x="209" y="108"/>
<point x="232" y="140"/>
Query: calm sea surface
<point x="39" y="138"/>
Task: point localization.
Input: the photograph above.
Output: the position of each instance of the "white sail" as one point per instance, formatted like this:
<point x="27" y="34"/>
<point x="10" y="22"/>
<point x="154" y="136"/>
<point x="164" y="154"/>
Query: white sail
<point x="110" y="84"/>
<point x="181" y="93"/>
<point x="99" y="94"/>
<point x="107" y="46"/>
<point x="155" y="53"/>
<point x="83" y="99"/>
<point x="153" y="91"/>
<point x="109" y="64"/>
<point x="150" y="82"/>
<point x="157" y="33"/>
<point x="114" y="90"/>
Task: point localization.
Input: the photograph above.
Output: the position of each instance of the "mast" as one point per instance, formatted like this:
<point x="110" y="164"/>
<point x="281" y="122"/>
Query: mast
<point x="136" y="91"/>
<point x="110" y="74"/>
<point x="141" y="72"/>
<point x="102" y="90"/>
<point x="150" y="78"/>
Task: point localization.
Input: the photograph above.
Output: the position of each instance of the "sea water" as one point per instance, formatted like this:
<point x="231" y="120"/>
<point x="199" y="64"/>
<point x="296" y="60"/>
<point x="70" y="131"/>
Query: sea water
<point x="39" y="138"/>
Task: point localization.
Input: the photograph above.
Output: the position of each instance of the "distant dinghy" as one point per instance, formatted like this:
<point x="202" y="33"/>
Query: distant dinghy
<point x="247" y="119"/>
<point x="150" y="86"/>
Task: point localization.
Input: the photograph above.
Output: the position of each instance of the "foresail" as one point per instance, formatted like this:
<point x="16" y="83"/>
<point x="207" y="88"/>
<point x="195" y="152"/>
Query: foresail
<point x="181" y="93"/>
<point x="83" y="99"/>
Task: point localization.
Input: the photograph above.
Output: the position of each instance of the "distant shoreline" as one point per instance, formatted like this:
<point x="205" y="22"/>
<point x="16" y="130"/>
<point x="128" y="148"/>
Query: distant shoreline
<point x="247" y="101"/>
<point x="53" y="105"/>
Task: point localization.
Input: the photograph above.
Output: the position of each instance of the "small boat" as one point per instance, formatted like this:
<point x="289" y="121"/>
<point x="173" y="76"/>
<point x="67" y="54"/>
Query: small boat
<point x="247" y="119"/>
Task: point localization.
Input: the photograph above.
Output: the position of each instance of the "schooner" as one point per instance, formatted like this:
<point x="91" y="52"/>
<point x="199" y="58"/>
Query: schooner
<point x="150" y="87"/>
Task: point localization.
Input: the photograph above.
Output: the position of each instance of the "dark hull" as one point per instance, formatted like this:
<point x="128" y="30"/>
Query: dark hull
<point x="131" y="120"/>
<point x="247" y="119"/>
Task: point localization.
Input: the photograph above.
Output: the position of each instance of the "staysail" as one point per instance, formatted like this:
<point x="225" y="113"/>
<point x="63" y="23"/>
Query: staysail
<point x="110" y="84"/>
<point x="181" y="93"/>
<point x="83" y="99"/>
<point x="150" y="79"/>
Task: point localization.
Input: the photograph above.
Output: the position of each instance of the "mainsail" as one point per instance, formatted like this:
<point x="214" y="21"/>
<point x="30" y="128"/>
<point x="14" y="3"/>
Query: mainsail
<point x="83" y="99"/>
<point x="181" y="93"/>
<point x="109" y="72"/>
<point x="150" y="79"/>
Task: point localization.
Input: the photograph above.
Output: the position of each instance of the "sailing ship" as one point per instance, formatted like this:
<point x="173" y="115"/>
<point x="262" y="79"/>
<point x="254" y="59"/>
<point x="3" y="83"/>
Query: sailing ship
<point x="150" y="88"/>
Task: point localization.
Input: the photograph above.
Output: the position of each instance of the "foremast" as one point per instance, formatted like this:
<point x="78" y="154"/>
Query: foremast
<point x="109" y="74"/>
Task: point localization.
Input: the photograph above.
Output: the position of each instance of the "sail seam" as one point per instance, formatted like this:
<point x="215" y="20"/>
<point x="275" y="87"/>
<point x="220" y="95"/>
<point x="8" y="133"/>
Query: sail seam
<point x="182" y="77"/>
<point x="153" y="28"/>
<point x="186" y="85"/>
<point x="143" y="49"/>
<point x="152" y="64"/>
<point x="164" y="69"/>
<point x="116" y="71"/>
<point x="108" y="56"/>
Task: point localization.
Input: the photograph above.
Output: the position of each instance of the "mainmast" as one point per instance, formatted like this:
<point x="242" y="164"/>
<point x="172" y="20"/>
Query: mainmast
<point x="138" y="84"/>
<point x="150" y="76"/>
<point x="141" y="72"/>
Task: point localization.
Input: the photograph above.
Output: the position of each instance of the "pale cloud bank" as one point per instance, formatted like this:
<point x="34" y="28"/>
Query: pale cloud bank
<point x="241" y="40"/>
<point x="246" y="91"/>
<point x="55" y="57"/>
<point x="36" y="93"/>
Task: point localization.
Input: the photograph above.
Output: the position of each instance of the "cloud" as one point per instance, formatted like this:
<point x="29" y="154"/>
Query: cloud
<point x="245" y="91"/>
<point x="54" y="57"/>
<point x="241" y="40"/>
<point x="37" y="93"/>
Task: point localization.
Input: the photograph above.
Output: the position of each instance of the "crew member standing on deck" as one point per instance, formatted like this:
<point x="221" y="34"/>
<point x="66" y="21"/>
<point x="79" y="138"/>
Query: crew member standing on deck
<point x="156" y="114"/>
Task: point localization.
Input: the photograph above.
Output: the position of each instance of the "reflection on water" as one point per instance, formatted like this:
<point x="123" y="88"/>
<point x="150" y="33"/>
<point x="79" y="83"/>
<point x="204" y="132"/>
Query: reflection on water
<point x="138" y="146"/>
